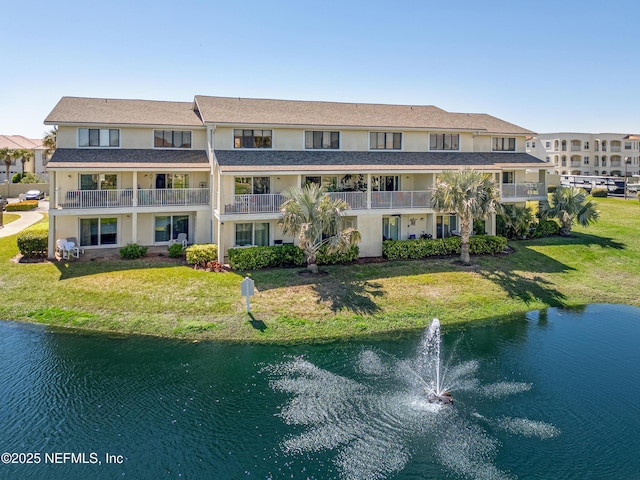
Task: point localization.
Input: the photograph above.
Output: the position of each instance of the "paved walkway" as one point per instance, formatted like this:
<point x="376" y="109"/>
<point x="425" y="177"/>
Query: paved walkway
<point x="26" y="220"/>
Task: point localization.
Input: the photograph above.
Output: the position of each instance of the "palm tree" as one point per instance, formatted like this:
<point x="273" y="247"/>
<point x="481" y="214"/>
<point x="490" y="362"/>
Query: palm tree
<point x="25" y="156"/>
<point x="49" y="141"/>
<point x="7" y="155"/>
<point x="517" y="220"/>
<point x="316" y="220"/>
<point x="569" y="204"/>
<point x="472" y="195"/>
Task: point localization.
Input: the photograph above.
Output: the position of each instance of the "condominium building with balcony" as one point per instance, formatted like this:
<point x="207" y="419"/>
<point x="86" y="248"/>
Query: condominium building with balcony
<point x="137" y="171"/>
<point x="608" y="154"/>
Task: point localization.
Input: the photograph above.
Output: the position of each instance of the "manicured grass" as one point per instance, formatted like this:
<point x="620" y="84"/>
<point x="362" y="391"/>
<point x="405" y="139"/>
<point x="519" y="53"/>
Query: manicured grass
<point x="601" y="264"/>
<point x="7" y="218"/>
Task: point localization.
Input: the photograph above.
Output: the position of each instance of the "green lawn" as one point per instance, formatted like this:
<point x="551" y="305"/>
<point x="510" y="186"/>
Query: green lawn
<point x="7" y="218"/>
<point x="600" y="265"/>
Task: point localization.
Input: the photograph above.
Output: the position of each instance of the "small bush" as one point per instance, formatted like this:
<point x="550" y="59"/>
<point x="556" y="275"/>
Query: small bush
<point x="22" y="206"/>
<point x="599" y="192"/>
<point x="638" y="195"/>
<point x="176" y="250"/>
<point x="30" y="177"/>
<point x="406" y="249"/>
<point x="132" y="251"/>
<point x="212" y="266"/>
<point x="551" y="188"/>
<point x="200" y="254"/>
<point x="34" y="240"/>
<point x="16" y="178"/>
<point x="545" y="228"/>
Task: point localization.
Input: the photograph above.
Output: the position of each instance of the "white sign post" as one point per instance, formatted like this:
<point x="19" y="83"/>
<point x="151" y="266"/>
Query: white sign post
<point x="246" y="290"/>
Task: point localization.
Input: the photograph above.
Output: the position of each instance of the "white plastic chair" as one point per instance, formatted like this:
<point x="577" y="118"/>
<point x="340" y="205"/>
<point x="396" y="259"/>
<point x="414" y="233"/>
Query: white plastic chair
<point x="62" y="248"/>
<point x="181" y="238"/>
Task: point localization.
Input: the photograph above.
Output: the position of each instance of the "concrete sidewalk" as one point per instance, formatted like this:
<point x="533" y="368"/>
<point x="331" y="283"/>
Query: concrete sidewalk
<point x="26" y="220"/>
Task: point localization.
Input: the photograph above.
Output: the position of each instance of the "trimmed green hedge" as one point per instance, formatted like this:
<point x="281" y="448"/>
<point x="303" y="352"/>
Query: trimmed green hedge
<point x="131" y="251"/>
<point x="34" y="240"/>
<point x="255" y="258"/>
<point x="201" y="254"/>
<point x="545" y="228"/>
<point x="599" y="192"/>
<point x="421" y="248"/>
<point x="22" y="206"/>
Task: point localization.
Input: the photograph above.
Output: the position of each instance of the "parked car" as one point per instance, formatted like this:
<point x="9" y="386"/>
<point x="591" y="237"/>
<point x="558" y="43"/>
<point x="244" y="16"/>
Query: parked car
<point x="3" y="202"/>
<point x="34" y="195"/>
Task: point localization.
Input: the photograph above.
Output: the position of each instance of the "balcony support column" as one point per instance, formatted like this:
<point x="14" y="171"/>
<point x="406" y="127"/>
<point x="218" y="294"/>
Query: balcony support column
<point x="220" y="242"/>
<point x="134" y="199"/>
<point x="134" y="226"/>
<point x="368" y="191"/>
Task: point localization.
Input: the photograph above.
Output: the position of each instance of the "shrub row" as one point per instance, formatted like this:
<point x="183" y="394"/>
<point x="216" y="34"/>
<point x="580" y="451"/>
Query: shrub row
<point x="254" y="258"/>
<point x="406" y="249"/>
<point x="34" y="240"/>
<point x="200" y="254"/>
<point x="22" y="206"/>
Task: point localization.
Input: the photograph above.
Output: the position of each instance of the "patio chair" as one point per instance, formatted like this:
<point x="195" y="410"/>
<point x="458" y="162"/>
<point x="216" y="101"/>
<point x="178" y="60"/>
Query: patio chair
<point x="181" y="238"/>
<point x="77" y="249"/>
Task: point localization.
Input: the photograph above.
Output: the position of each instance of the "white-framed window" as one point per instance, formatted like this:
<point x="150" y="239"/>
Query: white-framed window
<point x="586" y="160"/>
<point x="172" y="139"/>
<point x="98" y="231"/>
<point x="503" y="144"/>
<point x="444" y="141"/>
<point x="320" y="139"/>
<point x="385" y="141"/>
<point x="172" y="180"/>
<point x="252" y="234"/>
<point x="245" y="138"/>
<point x="168" y="227"/>
<point x="627" y="145"/>
<point x="98" y="137"/>
<point x="547" y="144"/>
<point x="586" y="145"/>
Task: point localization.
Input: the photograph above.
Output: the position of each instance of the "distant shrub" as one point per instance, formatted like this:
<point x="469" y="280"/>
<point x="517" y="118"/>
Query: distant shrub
<point x="638" y="195"/>
<point x="551" y="188"/>
<point x="30" y="177"/>
<point x="132" y="251"/>
<point x="599" y="192"/>
<point x="200" y="254"/>
<point x="22" y="206"/>
<point x="176" y="250"/>
<point x="406" y="249"/>
<point x="16" y="178"/>
<point x="34" y="240"/>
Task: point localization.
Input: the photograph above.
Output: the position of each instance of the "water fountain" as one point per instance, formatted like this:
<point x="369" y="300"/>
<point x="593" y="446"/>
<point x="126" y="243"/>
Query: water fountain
<point x="371" y="418"/>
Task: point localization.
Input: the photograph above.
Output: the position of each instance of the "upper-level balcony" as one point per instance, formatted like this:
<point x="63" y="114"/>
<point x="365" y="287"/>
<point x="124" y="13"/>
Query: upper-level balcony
<point x="127" y="197"/>
<point x="271" y="203"/>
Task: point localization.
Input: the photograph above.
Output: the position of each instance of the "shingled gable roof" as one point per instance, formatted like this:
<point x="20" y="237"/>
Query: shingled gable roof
<point x="246" y="160"/>
<point x="107" y="111"/>
<point x="123" y="158"/>
<point x="248" y="111"/>
<point x="16" y="142"/>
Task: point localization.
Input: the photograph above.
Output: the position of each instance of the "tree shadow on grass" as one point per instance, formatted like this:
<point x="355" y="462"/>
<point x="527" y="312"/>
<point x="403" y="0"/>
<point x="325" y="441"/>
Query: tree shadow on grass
<point x="353" y="295"/>
<point x="526" y="289"/>
<point x="589" y="240"/>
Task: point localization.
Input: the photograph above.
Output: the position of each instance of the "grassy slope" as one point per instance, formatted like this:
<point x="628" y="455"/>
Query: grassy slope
<point x="600" y="265"/>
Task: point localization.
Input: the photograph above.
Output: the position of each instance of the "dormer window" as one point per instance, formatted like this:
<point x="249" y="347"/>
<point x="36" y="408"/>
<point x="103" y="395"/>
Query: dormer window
<point x="171" y="139"/>
<point x="98" y="137"/>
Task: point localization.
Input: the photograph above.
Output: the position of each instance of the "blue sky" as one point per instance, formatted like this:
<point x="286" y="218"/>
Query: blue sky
<point x="559" y="66"/>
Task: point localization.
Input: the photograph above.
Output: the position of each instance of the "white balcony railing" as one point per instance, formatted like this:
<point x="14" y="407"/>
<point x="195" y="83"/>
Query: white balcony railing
<point x="356" y="200"/>
<point x="523" y="190"/>
<point x="411" y="199"/>
<point x="125" y="197"/>
<point x="271" y="202"/>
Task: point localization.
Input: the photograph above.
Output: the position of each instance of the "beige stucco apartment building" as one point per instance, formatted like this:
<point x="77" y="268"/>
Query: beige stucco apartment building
<point x="137" y="171"/>
<point x="571" y="153"/>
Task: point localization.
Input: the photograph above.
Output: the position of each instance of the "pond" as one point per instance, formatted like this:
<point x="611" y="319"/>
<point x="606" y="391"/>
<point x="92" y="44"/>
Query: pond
<point x="551" y="395"/>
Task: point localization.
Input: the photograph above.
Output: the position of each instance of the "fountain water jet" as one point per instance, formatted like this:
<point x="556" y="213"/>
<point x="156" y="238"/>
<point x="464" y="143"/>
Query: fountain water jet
<point x="430" y="365"/>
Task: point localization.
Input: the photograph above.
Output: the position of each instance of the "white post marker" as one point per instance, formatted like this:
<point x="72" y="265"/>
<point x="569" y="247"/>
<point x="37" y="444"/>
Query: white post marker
<point x="246" y="290"/>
